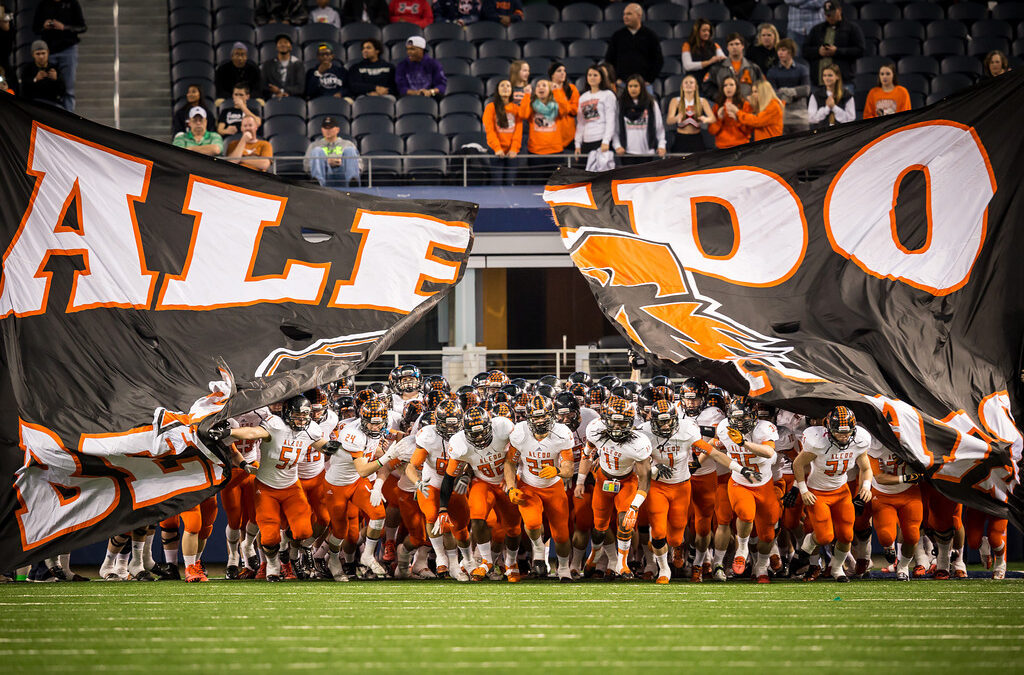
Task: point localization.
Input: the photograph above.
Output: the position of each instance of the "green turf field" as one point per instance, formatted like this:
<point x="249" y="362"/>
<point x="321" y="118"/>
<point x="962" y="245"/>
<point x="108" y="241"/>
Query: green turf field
<point x="920" y="626"/>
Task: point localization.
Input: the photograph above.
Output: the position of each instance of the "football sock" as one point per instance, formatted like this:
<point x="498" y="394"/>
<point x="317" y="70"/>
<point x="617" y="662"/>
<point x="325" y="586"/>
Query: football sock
<point x="438" y="545"/>
<point x="942" y="557"/>
<point x="64" y="559"/>
<point x="837" y="563"/>
<point x="369" y="549"/>
<point x="539" y="550"/>
<point x="484" y="548"/>
<point x="510" y="560"/>
<point x="147" y="552"/>
<point x="579" y="555"/>
<point x="700" y="557"/>
<point x="171" y="554"/>
<point x="189" y="560"/>
<point x="663" y="568"/>
<point x="808" y="545"/>
<point x="720" y="557"/>
<point x="390" y="533"/>
<point x="742" y="544"/>
<point x="350" y="556"/>
<point x="467" y="557"/>
<point x="233" y="537"/>
<point x="563" y="563"/>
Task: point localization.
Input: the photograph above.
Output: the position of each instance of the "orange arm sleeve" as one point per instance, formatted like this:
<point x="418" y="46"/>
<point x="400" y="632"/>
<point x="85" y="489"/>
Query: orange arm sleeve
<point x="490" y="128"/>
<point x="418" y="457"/>
<point x="702" y="445"/>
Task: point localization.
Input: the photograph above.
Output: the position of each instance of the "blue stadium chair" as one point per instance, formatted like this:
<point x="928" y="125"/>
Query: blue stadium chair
<point x="467" y="138"/>
<point x="329" y="105"/>
<point x="371" y="125"/>
<point x="711" y="11"/>
<point x="965" y="65"/>
<point x="895" y="48"/>
<point x="582" y="11"/>
<point x="315" y="33"/>
<point x="542" y="13"/>
<point x="188" y="51"/>
<point x="525" y="31"/>
<point x="437" y="33"/>
<point x="671" y="85"/>
<point x="223" y="52"/>
<point x="190" y="33"/>
<point x="666" y="11"/>
<point x="289" y="144"/>
<point x="941" y="47"/>
<point x="233" y="33"/>
<point x="592" y="49"/>
<point x="944" y="85"/>
<point x="915" y="83"/>
<point x="613" y="12"/>
<point x="426" y="168"/>
<point x="922" y="65"/>
<point x="672" y="48"/>
<point x="682" y="30"/>
<point x="410" y="125"/>
<point x="398" y="33"/>
<point x="945" y="28"/>
<point x="991" y="28"/>
<point x="879" y="11"/>
<point x="482" y="31"/>
<point x="189" y="16"/>
<point x="1009" y="11"/>
<point x="872" y="30"/>
<point x="458" y="123"/>
<point x="373" y="105"/>
<point x="314" y="127"/>
<point x="576" y="66"/>
<point x="499" y="49"/>
<point x="538" y="66"/>
<point x="378" y="148"/>
<point x="455" y="49"/>
<point x="967" y="12"/>
<point x="604" y="30"/>
<point x="662" y="29"/>
<point x="869" y="64"/>
<point x="288" y="106"/>
<point x="353" y="52"/>
<point x="396" y="52"/>
<point x="454" y="66"/>
<point x="230" y="16"/>
<point x="358" y="33"/>
<point x="569" y="31"/>
<point x="489" y="67"/>
<point x="671" y="67"/>
<point x="466" y="104"/>
<point x="744" y="28"/>
<point x="903" y="28"/>
<point x="416" y="105"/>
<point x="923" y="11"/>
<point x="268" y="34"/>
<point x="983" y="45"/>
<point x="464" y="84"/>
<point x="276" y="126"/>
<point x="545" y="49"/>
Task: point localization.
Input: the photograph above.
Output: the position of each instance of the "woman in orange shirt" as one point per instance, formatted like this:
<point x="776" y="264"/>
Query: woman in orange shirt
<point x="888" y="97"/>
<point x="568" y="96"/>
<point x="765" y="117"/>
<point x="727" y="128"/>
<point x="543" y="111"/>
<point x="504" y="134"/>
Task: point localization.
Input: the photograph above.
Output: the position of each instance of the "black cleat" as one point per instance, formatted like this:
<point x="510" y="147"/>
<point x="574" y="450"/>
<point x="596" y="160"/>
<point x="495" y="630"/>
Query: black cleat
<point x="842" y="578"/>
<point x="800" y="563"/>
<point x="253" y="562"/>
<point x="273" y="577"/>
<point x="540" y="569"/>
<point x="167" y="572"/>
<point x="231" y="572"/>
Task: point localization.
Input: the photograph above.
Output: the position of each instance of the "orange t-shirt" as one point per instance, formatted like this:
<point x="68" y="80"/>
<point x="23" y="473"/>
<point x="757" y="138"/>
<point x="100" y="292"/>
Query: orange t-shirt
<point x="545" y="135"/>
<point x="503" y="139"/>
<point x="880" y="102"/>
<point x="258" y="148"/>
<point x="567" y="121"/>
<point x="767" y="123"/>
<point x="728" y="132"/>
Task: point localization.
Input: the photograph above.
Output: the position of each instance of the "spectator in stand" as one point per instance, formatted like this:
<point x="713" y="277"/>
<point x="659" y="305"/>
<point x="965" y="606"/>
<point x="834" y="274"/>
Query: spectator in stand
<point x="238" y="69"/>
<point x="372" y="76"/>
<point x="250" y="150"/>
<point x="505" y="12"/>
<point x="230" y="120"/>
<point x="738" y="66"/>
<point x="834" y="41"/>
<point x="504" y="134"/>
<point x="519" y="76"/>
<point x="411" y="11"/>
<point x="763" y="54"/>
<point x="727" y="128"/>
<point x="996" y="64"/>
<point x="634" y="49"/>
<point x="367" y="11"/>
<point x="687" y="113"/>
<point x="700" y="55"/>
<point x="333" y="161"/>
<point x="803" y="16"/>
<point x="641" y="131"/>
<point x="59" y="23"/>
<point x="292" y="12"/>
<point x="6" y="40"/>
<point x="324" y="13"/>
<point x="541" y="110"/>
<point x="888" y="97"/>
<point x="40" y="80"/>
<point x="765" y="116"/>
<point x="329" y="78"/>
<point x="610" y="75"/>
<point x="419" y="74"/>
<point x="792" y="82"/>
<point x="460" y="12"/>
<point x="193" y="98"/>
<point x="595" y="124"/>
<point x="831" y="103"/>
<point x="565" y="90"/>
<point x="197" y="138"/>
<point x="284" y="75"/>
<point x="4" y="84"/>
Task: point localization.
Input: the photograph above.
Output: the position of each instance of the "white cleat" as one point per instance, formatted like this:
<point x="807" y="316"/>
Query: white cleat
<point x="459" y="574"/>
<point x="335" y="568"/>
<point x="371" y="564"/>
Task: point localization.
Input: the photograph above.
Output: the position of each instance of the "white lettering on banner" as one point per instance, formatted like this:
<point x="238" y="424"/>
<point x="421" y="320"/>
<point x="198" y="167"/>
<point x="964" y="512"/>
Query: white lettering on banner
<point x="769" y="228"/>
<point x="860" y="218"/>
<point x="54" y="498"/>
<point x="103" y="186"/>
<point x="380" y="279"/>
<point x="218" y="271"/>
<point x="994" y="412"/>
<point x="906" y="425"/>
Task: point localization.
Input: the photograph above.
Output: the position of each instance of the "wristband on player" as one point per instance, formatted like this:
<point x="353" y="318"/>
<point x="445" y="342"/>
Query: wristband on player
<point x="581" y="478"/>
<point x="865" y="484"/>
<point x="735" y="466"/>
<point x="245" y="464"/>
<point x="802" y="486"/>
<point x="638" y="500"/>
<point x="902" y="478"/>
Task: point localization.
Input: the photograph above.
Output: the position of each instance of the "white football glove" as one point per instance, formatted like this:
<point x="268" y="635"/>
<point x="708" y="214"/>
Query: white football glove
<point x="462" y="484"/>
<point x="423" y="487"/>
<point x="377" y="493"/>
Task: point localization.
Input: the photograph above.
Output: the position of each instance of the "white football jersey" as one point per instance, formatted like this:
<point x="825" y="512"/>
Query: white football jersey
<point x="673" y="452"/>
<point x="312" y="461"/>
<point x="783" y="465"/>
<point x="354" y="443"/>
<point x="579" y="437"/>
<point x="535" y="454"/>
<point x="832" y="463"/>
<point x="710" y="417"/>
<point x="889" y="463"/>
<point x="280" y="454"/>
<point x="398" y="403"/>
<point x="762" y="433"/>
<point x="405" y="449"/>
<point x="617" y="459"/>
<point x="488" y="463"/>
<point x="436" y="463"/>
<point x="250" y="448"/>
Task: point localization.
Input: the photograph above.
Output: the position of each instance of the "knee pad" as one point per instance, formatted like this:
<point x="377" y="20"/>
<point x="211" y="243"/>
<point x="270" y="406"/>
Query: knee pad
<point x="862" y="535"/>
<point x="658" y="543"/>
<point x="140" y="531"/>
<point x="170" y="537"/>
<point x="943" y="536"/>
<point x="270" y="550"/>
<point x="121" y="540"/>
<point x="624" y="534"/>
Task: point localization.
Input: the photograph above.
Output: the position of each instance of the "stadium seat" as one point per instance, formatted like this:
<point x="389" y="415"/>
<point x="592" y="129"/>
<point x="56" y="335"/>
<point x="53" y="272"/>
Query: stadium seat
<point x="396" y="53"/>
<point x="863" y="82"/>
<point x="576" y="66"/>
<point x="288" y="106"/>
<point x="724" y="29"/>
<point x="583" y="11"/>
<point x="398" y="33"/>
<point x="358" y="33"/>
<point x="670" y="85"/>
<point x="613" y="12"/>
<point x="712" y="11"/>
<point x="983" y="45"/>
<point x="967" y="12"/>
<point x="923" y="65"/>
<point x="547" y="49"/>
<point x="569" y="31"/>
<point x="426" y="143"/>
<point x="1009" y="11"/>
<point x="482" y="31"/>
<point x="276" y="126"/>
<point x="381" y="153"/>
<point x="231" y="34"/>
<point x="416" y="105"/>
<point x="266" y="52"/>
<point x="491" y="84"/>
<point x="671" y="67"/>
<point x="189" y="16"/>
<point x="499" y="49"/>
<point x="409" y="125"/>
<point x="313" y="127"/>
<point x="965" y="65"/>
<point x="592" y="49"/>
<point x="373" y="105"/>
<point x="174" y="5"/>
<point x="667" y="11"/>
<point x="223" y="52"/>
<point x="453" y="124"/>
<point x="455" y="49"/>
<point x="991" y="28"/>
<point x="915" y="83"/>
<point x="525" y="31"/>
<point x="780" y="17"/>
<point x="454" y="66"/>
<point x="872" y="30"/>
<point x="662" y="29"/>
<point x="945" y="46"/>
<point x="268" y="34"/>
<point x="229" y="16"/>
<point x="330" y="105"/>
<point x="538" y="65"/>
<point x="289" y="144"/>
<point x="870" y="64"/>
<point x="895" y="48"/>
<point x="944" y="85"/>
<point x="672" y="48"/>
<point x="683" y="30"/>
<point x="315" y="33"/>
<point x="489" y="67"/>
<point x="186" y="52"/>
<point x="945" y="28"/>
<point x="542" y="13"/>
<point x="465" y="84"/>
<point x="879" y="11"/>
<point x="437" y="33"/>
<point x="903" y="28"/>
<point x="923" y="11"/>
<point x="364" y="125"/>
<point x="467" y="138"/>
<point x="179" y="90"/>
<point x="191" y="33"/>
<point x="604" y="30"/>
<point x="222" y="4"/>
<point x="1017" y="48"/>
<point x="466" y="104"/>
<point x="385" y="142"/>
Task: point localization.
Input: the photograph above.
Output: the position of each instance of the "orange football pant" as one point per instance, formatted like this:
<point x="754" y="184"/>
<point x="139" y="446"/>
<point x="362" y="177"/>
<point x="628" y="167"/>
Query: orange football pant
<point x="703" y="490"/>
<point x="239" y="499"/>
<point x="832" y="516"/>
<point x="792" y="516"/>
<point x="411" y="515"/>
<point x="758" y="504"/>
<point x="340" y="497"/>
<point x="941" y="513"/>
<point x="199" y="519"/>
<point x="315" y="489"/>
<point x="458" y="511"/>
<point x="974" y="522"/>
<point x="551" y="502"/>
<point x="608" y="504"/>
<point x="724" y="512"/>
<point x="668" y="505"/>
<point x="582" y="509"/>
<point x="906" y="509"/>
<point x="272" y="503"/>
<point x="485" y="497"/>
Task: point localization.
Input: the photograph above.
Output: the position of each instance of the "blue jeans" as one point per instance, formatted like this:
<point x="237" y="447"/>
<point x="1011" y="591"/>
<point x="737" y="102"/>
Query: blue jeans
<point x="66" y="63"/>
<point x="335" y="176"/>
<point x="504" y="170"/>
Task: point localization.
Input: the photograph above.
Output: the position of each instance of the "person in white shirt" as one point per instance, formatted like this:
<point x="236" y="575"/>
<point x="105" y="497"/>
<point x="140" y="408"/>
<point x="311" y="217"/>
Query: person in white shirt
<point x="595" y="121"/>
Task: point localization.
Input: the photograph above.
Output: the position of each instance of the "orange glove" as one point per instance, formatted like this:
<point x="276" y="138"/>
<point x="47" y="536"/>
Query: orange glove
<point x="735" y="436"/>
<point x="516" y="496"/>
<point x="442" y="522"/>
<point x="548" y="472"/>
<point x="629" y="519"/>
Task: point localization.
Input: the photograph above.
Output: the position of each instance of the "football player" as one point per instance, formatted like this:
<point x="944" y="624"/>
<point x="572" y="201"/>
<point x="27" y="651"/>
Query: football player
<point x="311" y="464"/>
<point x="540" y="452"/>
<point x="408" y="381"/>
<point x="577" y="419"/>
<point x="622" y="480"/>
<point x="981" y="525"/>
<point x="897" y="500"/>
<point x="239" y="500"/>
<point x="831" y="450"/>
<point x="703" y="475"/>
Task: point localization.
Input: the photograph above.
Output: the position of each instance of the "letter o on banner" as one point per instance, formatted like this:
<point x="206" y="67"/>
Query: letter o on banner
<point x="859" y="215"/>
<point x="769" y="228"/>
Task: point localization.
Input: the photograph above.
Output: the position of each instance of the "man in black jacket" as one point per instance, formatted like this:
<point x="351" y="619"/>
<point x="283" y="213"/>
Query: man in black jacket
<point x="635" y="49"/>
<point x="40" y="80"/>
<point x="834" y="41"/>
<point x="372" y="11"/>
<point x="372" y="76"/>
<point x="59" y="23"/>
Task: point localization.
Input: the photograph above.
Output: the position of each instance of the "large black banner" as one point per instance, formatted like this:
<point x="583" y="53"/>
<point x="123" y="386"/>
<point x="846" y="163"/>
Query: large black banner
<point x="147" y="289"/>
<point x="876" y="263"/>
